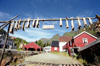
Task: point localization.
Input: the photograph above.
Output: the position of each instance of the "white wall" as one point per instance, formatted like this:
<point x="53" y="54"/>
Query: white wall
<point x="61" y="44"/>
<point x="8" y="41"/>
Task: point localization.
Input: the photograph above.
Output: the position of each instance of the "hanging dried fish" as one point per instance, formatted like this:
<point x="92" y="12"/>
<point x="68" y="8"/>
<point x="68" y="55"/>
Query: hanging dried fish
<point x="37" y="23"/>
<point x="67" y="26"/>
<point x="16" y="25"/>
<point x="90" y="20"/>
<point x="84" y="28"/>
<point x="84" y="20"/>
<point x="89" y="26"/>
<point x="72" y="23"/>
<point x="19" y="24"/>
<point x="33" y="24"/>
<point x="12" y="27"/>
<point x="79" y="23"/>
<point x="28" y="23"/>
<point x="12" y="30"/>
<point x="23" y="26"/>
<point x="60" y="22"/>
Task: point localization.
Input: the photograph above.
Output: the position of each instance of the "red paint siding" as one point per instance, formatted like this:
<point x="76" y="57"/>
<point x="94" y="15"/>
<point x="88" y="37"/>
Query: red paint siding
<point x="32" y="45"/>
<point x="53" y="50"/>
<point x="68" y="49"/>
<point x="79" y="40"/>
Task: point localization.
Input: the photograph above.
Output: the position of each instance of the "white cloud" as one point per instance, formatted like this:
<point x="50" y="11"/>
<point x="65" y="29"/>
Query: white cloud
<point x="24" y="37"/>
<point x="33" y="34"/>
<point x="59" y="30"/>
<point x="28" y="15"/>
<point x="38" y="32"/>
<point x="3" y="14"/>
<point x="85" y="13"/>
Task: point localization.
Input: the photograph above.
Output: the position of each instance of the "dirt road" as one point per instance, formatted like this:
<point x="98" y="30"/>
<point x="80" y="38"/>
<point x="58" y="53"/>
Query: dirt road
<point x="51" y="58"/>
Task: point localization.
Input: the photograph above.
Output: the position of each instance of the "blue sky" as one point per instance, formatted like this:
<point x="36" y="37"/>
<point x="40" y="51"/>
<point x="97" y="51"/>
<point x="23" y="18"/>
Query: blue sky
<point x="47" y="9"/>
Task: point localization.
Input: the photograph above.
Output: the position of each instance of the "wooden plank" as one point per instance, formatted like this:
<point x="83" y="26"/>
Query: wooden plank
<point x="48" y="27"/>
<point x="50" y="19"/>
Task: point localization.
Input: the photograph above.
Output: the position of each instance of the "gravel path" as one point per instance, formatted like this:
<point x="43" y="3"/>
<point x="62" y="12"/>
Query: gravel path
<point x="51" y="58"/>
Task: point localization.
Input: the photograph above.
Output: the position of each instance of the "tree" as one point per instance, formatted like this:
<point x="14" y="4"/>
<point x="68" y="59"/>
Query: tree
<point x="36" y="42"/>
<point x="18" y="41"/>
<point x="40" y="43"/>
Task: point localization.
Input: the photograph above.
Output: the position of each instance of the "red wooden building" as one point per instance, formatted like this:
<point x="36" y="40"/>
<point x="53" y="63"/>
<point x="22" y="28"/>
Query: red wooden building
<point x="55" y="46"/>
<point x="78" y="42"/>
<point x="32" y="47"/>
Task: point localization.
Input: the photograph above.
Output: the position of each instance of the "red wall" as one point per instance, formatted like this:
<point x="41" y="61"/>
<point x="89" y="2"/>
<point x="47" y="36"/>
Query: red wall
<point x="78" y="41"/>
<point x="52" y="49"/>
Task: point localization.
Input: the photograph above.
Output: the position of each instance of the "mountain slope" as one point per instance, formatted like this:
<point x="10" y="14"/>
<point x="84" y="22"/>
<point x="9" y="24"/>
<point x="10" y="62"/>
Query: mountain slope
<point x="54" y="38"/>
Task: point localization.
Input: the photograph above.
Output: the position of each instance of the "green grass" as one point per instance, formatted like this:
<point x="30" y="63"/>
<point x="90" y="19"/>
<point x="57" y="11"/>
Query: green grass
<point x="19" y="49"/>
<point x="82" y="61"/>
<point x="65" y="54"/>
<point x="61" y="53"/>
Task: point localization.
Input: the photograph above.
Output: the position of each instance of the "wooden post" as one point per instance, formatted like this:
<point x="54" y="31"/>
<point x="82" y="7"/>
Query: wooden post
<point x="9" y="23"/>
<point x="2" y="55"/>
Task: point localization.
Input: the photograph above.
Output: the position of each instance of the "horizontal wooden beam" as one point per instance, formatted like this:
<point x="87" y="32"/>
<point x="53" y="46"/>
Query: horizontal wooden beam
<point x="50" y="19"/>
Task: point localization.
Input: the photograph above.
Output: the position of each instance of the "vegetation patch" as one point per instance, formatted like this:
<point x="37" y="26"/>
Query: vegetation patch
<point x="61" y="53"/>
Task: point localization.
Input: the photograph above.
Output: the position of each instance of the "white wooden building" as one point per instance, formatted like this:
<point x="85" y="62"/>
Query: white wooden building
<point x="62" y="42"/>
<point x="9" y="44"/>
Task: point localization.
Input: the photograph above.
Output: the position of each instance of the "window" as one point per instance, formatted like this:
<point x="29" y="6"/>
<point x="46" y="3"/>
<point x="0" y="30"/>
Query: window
<point x="85" y="40"/>
<point x="55" y="48"/>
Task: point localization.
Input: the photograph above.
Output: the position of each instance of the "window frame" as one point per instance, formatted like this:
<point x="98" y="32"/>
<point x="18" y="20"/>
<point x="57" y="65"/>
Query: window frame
<point x="55" y="48"/>
<point x="86" y="39"/>
<point x="70" y="43"/>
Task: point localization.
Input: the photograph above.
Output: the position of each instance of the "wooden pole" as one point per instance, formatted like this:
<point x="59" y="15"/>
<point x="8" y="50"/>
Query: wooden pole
<point x="7" y="34"/>
<point x="8" y="22"/>
<point x="49" y="19"/>
<point x="2" y="55"/>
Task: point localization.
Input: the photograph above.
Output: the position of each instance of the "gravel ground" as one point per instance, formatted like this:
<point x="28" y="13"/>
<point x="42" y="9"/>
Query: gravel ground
<point x="52" y="58"/>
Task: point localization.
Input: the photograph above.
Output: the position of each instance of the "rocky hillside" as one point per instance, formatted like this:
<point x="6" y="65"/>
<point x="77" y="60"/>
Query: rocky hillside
<point x="55" y="37"/>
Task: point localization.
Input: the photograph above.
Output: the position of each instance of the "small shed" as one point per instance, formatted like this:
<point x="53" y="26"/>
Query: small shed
<point x="32" y="47"/>
<point x="55" y="46"/>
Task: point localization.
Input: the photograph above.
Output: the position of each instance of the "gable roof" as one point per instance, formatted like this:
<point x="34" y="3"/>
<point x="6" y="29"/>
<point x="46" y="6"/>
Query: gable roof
<point x="86" y="33"/>
<point x="64" y="39"/>
<point x="55" y="44"/>
<point x="34" y="45"/>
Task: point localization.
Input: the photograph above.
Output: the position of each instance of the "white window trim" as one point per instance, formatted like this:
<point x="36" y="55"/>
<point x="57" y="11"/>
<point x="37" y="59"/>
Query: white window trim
<point x="87" y="40"/>
<point x="55" y="48"/>
<point x="70" y="43"/>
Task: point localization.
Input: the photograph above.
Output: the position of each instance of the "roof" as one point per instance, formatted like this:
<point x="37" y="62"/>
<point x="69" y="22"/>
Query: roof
<point x="32" y="45"/>
<point x="65" y="39"/>
<point x="55" y="44"/>
<point x="47" y="47"/>
<point x="86" y="33"/>
<point x="90" y="45"/>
